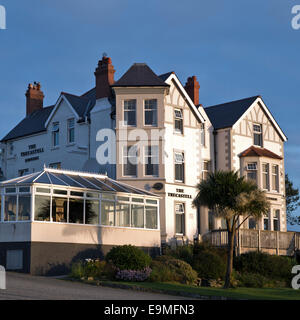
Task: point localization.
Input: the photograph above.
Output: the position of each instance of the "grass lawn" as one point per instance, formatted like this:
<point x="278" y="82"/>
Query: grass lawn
<point x="237" y="293"/>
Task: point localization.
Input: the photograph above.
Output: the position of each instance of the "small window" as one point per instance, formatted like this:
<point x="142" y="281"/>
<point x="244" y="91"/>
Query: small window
<point x="150" y="109"/>
<point x="202" y="134"/>
<point x="252" y="223"/>
<point x="205" y="169"/>
<point x="59" y="191"/>
<point x="179" y="167"/>
<point x="257" y="135"/>
<point x="265" y="174"/>
<point x="138" y="200"/>
<point x="151" y="161"/>
<point x="55" y="134"/>
<point x="71" y="130"/>
<point x="92" y="195"/>
<point x="179" y="218"/>
<point x="151" y="201"/>
<point x="43" y="190"/>
<point x="130" y="161"/>
<point x="56" y="165"/>
<point x="178" y="121"/>
<point x="275" y="178"/>
<point x="276" y="217"/>
<point x="24" y="189"/>
<point x="22" y="172"/>
<point x="266" y="222"/>
<point x="130" y="112"/>
<point x="10" y="190"/>
<point x="76" y="193"/>
<point x="252" y="171"/>
<point x="126" y="199"/>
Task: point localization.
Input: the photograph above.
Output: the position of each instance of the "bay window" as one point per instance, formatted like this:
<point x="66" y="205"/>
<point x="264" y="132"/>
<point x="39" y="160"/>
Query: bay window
<point x="275" y="178"/>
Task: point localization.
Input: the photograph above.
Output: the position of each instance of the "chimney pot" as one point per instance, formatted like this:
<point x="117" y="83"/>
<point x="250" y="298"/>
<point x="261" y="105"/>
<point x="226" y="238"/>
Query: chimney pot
<point x="104" y="78"/>
<point x="192" y="87"/>
<point x="34" y="98"/>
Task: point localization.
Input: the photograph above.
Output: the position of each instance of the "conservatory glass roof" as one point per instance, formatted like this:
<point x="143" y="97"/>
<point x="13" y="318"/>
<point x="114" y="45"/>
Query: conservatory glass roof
<point x="75" y="179"/>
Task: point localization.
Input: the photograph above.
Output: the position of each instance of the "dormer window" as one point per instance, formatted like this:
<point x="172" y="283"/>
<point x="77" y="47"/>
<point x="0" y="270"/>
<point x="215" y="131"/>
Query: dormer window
<point x="257" y="135"/>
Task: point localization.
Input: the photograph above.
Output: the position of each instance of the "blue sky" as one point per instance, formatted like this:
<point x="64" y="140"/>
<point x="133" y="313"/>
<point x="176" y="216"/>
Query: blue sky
<point x="235" y="48"/>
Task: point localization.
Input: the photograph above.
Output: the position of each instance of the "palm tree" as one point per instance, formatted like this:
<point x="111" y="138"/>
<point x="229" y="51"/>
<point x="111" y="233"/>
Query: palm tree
<point x="233" y="198"/>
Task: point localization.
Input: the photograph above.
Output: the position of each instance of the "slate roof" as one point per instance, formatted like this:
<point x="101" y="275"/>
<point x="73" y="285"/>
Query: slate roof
<point x="34" y="123"/>
<point x="165" y="76"/>
<point x="139" y="74"/>
<point x="259" y="152"/>
<point x="227" y="114"/>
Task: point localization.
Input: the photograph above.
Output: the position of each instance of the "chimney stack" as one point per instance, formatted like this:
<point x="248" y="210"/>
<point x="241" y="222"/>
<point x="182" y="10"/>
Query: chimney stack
<point x="34" y="98"/>
<point x="104" y="77"/>
<point x="192" y="87"/>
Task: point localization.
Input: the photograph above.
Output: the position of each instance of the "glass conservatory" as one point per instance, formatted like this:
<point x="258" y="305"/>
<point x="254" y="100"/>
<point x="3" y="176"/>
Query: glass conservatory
<point x="49" y="218"/>
<point x="82" y="198"/>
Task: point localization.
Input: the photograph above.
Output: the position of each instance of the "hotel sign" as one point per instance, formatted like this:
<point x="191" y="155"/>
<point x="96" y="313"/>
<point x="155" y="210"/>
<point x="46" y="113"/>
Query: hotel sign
<point x="179" y="194"/>
<point x="32" y="150"/>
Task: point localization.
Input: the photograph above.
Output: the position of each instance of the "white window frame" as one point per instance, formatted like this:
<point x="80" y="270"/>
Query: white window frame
<point x="205" y="170"/>
<point x="55" y="133"/>
<point x="182" y="213"/>
<point x="126" y="157"/>
<point x="178" y="116"/>
<point x="154" y="153"/>
<point x="266" y="174"/>
<point x="150" y="108"/>
<point x="276" y="175"/>
<point x="129" y="108"/>
<point x="179" y="159"/>
<point x="257" y="131"/>
<point x="71" y="127"/>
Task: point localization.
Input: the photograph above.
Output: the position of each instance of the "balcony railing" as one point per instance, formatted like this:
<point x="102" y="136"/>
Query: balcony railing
<point x="274" y="242"/>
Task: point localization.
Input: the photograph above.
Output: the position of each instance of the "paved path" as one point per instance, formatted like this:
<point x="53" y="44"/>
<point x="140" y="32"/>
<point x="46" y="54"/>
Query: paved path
<point x="26" y="287"/>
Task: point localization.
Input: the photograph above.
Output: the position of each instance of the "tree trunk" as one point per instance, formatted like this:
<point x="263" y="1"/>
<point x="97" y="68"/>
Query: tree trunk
<point x="229" y="259"/>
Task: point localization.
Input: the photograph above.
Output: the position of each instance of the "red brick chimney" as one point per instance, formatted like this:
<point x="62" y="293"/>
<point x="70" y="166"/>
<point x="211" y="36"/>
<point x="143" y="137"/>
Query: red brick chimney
<point x="192" y="87"/>
<point x="34" y="98"/>
<point x="104" y="78"/>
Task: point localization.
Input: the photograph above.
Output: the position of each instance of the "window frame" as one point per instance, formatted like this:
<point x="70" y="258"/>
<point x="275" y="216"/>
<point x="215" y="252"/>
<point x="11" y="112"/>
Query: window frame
<point x="69" y="129"/>
<point x="55" y="134"/>
<point x="127" y="109"/>
<point x="183" y="214"/>
<point x="265" y="176"/>
<point x="258" y="133"/>
<point x="127" y="157"/>
<point x="178" y="118"/>
<point x="181" y="153"/>
<point x="155" y="123"/>
<point x="276" y="175"/>
<point x="151" y="156"/>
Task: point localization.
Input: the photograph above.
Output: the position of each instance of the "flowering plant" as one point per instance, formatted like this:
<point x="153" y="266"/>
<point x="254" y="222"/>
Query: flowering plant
<point x="133" y="275"/>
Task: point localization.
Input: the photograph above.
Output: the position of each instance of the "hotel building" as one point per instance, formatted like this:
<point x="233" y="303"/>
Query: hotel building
<point x="150" y="132"/>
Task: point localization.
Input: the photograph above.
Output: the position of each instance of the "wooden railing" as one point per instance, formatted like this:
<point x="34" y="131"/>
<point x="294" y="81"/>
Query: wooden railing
<point x="274" y="242"/>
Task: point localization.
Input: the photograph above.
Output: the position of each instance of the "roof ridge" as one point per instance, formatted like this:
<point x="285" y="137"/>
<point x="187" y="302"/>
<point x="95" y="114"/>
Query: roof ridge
<point x="221" y="104"/>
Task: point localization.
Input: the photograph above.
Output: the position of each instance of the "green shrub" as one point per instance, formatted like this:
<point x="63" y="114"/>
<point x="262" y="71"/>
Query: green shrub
<point x="77" y="270"/>
<point x="184" y="252"/>
<point x="209" y="265"/>
<point x="207" y="247"/>
<point x="92" y="268"/>
<point x="169" y="269"/>
<point x="128" y="257"/>
<point x="270" y="266"/>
